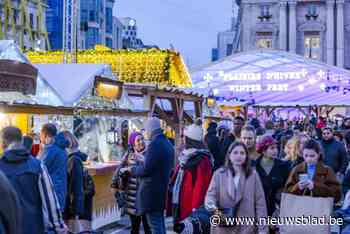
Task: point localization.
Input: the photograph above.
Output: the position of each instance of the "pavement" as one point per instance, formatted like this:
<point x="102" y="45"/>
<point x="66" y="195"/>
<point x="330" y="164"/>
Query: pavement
<point x="123" y="227"/>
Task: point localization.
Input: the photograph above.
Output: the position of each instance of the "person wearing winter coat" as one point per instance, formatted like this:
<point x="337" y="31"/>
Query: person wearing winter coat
<point x="30" y="179"/>
<point x="321" y="181"/>
<point x="212" y="142"/>
<point x="55" y="159"/>
<point x="129" y="184"/>
<point x="155" y="176"/>
<point x="192" y="174"/>
<point x="74" y="205"/>
<point x="335" y="154"/>
<point x="237" y="186"/>
<point x="10" y="211"/>
<point x="273" y="173"/>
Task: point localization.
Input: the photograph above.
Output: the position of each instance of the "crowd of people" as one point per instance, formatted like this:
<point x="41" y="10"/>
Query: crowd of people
<point x="44" y="192"/>
<point x="241" y="171"/>
<point x="238" y="171"/>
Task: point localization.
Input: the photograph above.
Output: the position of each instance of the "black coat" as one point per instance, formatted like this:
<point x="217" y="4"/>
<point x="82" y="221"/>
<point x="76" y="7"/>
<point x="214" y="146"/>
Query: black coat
<point x="274" y="182"/>
<point x="214" y="147"/>
<point x="227" y="143"/>
<point x="335" y="156"/>
<point x="155" y="174"/>
<point x="75" y="186"/>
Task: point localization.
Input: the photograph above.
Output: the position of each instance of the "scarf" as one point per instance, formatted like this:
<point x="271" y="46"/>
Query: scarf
<point x="189" y="158"/>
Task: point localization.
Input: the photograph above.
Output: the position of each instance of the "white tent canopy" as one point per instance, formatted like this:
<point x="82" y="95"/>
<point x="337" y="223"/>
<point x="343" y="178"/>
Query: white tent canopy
<point x="72" y="81"/>
<point x="271" y="77"/>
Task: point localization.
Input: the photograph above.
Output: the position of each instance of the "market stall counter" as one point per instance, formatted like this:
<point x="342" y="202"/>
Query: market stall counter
<point x="105" y="210"/>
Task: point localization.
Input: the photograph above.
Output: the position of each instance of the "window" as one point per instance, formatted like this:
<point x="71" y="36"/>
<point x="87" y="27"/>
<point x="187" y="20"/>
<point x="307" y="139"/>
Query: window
<point x="31" y="20"/>
<point x="311" y="12"/>
<point x="109" y="42"/>
<point x="264" y="43"/>
<point x="109" y="20"/>
<point x="312" y="46"/>
<point x="15" y="15"/>
<point x="264" y="13"/>
<point x="229" y="49"/>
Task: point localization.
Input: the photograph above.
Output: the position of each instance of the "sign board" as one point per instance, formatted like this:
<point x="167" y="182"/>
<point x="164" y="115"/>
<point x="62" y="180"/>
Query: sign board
<point x="107" y="88"/>
<point x="17" y="77"/>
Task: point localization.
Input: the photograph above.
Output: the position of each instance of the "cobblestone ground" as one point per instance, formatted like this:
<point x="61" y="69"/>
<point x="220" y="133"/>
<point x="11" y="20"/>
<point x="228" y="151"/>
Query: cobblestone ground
<point x="123" y="227"/>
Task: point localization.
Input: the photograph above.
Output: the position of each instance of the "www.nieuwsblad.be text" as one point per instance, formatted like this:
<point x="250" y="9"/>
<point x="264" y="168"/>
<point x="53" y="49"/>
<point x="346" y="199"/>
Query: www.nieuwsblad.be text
<point x="216" y="220"/>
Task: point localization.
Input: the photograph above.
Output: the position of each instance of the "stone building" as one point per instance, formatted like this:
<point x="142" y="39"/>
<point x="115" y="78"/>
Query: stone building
<point x="317" y="29"/>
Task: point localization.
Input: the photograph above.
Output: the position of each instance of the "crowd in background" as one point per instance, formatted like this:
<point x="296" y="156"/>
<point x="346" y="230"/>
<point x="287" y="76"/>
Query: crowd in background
<point x="228" y="171"/>
<point x="240" y="170"/>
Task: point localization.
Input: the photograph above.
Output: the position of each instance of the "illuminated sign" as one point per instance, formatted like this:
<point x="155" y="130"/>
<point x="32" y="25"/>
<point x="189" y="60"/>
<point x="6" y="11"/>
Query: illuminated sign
<point x="256" y="76"/>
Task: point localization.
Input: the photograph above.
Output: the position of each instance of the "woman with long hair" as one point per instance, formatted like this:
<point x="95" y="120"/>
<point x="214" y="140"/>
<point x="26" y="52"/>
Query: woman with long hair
<point x="313" y="177"/>
<point x="293" y="149"/>
<point x="273" y="173"/>
<point x="236" y="190"/>
<point x="78" y="208"/>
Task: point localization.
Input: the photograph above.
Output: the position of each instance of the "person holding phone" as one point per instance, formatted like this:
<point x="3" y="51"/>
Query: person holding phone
<point x="313" y="177"/>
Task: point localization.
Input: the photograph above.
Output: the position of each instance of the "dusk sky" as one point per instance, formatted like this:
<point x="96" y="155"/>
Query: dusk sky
<point x="191" y="26"/>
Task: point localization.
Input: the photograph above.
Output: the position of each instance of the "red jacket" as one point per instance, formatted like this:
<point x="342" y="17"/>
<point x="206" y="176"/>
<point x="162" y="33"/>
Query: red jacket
<point x="194" y="187"/>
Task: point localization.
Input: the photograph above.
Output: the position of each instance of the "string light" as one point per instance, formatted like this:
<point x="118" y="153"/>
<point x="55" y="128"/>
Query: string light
<point x="163" y="67"/>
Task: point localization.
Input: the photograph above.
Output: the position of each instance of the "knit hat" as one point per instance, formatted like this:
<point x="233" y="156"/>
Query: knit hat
<point x="264" y="143"/>
<point x="152" y="124"/>
<point x="132" y="138"/>
<point x="194" y="132"/>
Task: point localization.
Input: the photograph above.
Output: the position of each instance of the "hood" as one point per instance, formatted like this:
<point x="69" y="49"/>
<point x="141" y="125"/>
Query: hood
<point x="79" y="154"/>
<point x="191" y="157"/>
<point x="61" y="141"/>
<point x="212" y="129"/>
<point x="16" y="155"/>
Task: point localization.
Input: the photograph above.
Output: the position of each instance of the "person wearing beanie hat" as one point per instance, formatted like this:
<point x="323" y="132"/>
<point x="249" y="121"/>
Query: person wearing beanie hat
<point x="154" y="176"/>
<point x="273" y="172"/>
<point x="151" y="125"/>
<point x="212" y="142"/>
<point x="192" y="176"/>
<point x="129" y="184"/>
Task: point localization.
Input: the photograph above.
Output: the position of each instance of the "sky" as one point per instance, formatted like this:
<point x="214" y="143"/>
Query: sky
<point x="191" y="26"/>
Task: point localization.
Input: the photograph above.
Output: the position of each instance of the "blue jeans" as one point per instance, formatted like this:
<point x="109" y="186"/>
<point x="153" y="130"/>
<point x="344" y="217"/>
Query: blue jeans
<point x="156" y="222"/>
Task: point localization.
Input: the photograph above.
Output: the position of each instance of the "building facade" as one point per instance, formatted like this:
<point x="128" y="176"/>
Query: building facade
<point x="225" y="39"/>
<point x="94" y="24"/>
<point x="24" y="22"/>
<point x="129" y="34"/>
<point x="316" y="29"/>
<point x="117" y="33"/>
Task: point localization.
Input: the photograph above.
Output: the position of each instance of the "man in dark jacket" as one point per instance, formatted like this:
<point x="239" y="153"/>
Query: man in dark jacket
<point x="31" y="181"/>
<point x="238" y="124"/>
<point x="335" y="152"/>
<point x="10" y="211"/>
<point x="55" y="159"/>
<point x="212" y="141"/>
<point x="155" y="176"/>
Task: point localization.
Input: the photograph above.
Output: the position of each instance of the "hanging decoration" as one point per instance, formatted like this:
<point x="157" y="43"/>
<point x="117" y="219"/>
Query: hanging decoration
<point x="164" y="67"/>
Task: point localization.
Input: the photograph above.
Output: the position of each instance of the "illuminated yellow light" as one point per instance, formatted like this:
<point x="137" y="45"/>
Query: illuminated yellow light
<point x="108" y="90"/>
<point x="153" y="66"/>
<point x="211" y="102"/>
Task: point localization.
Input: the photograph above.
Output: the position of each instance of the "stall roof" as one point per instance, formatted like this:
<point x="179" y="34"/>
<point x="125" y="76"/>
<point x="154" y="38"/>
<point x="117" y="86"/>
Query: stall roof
<point x="45" y="94"/>
<point x="270" y="77"/>
<point x="72" y="81"/>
